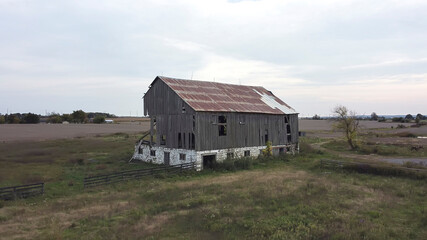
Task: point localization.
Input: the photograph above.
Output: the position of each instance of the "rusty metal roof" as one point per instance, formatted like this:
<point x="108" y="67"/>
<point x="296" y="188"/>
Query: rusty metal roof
<point x="220" y="97"/>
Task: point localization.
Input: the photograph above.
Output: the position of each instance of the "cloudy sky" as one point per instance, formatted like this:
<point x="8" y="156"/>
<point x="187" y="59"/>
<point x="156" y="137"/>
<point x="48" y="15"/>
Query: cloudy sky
<point x="60" y="56"/>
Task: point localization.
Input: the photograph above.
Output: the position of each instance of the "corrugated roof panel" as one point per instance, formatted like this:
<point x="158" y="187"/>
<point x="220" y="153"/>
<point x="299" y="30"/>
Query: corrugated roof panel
<point x="220" y="97"/>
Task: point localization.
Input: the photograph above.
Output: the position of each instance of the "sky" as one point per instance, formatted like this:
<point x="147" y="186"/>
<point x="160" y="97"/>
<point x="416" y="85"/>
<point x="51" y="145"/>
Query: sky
<point x="101" y="56"/>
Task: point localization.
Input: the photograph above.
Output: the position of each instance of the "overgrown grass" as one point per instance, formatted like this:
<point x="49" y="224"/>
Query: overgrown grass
<point x="65" y="161"/>
<point x="287" y="197"/>
<point x="372" y="148"/>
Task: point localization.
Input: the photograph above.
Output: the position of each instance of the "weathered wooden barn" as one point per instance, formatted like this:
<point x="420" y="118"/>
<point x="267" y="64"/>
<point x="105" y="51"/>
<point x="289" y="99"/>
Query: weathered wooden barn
<point x="203" y="122"/>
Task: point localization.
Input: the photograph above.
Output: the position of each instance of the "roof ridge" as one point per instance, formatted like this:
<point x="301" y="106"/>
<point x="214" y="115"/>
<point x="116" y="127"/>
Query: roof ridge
<point x="182" y="79"/>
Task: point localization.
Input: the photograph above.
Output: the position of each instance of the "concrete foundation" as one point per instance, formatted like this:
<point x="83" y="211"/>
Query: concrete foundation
<point x="159" y="155"/>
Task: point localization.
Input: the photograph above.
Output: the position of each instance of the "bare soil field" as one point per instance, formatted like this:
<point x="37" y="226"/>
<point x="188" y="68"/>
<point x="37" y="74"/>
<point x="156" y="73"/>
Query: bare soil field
<point x="40" y="132"/>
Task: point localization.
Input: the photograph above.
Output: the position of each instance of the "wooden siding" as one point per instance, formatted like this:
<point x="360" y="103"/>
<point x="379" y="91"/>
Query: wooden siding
<point x="164" y="107"/>
<point x="161" y="99"/>
<point x="247" y="133"/>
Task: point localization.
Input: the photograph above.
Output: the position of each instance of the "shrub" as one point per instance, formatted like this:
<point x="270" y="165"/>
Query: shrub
<point x="99" y="119"/>
<point x="54" y="118"/>
<point x="31" y="118"/>
<point x="2" y="120"/>
<point x="268" y="151"/>
<point x="400" y="126"/>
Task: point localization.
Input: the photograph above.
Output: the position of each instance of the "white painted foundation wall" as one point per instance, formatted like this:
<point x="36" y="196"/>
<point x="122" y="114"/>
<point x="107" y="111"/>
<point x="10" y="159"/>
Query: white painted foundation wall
<point x="144" y="153"/>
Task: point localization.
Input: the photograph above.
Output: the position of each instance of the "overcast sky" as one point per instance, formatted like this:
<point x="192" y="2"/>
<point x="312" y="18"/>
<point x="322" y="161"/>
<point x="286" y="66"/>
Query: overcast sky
<point x="60" y="56"/>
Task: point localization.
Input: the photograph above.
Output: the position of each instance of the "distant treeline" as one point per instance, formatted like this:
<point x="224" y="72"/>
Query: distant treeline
<point x="78" y="116"/>
<point x="19" y="118"/>
<point x="408" y="118"/>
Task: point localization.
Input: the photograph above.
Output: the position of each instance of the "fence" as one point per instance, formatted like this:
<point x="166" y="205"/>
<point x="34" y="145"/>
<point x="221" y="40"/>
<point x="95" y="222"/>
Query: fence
<point x="23" y="191"/>
<point x="371" y="168"/>
<point x="134" y="174"/>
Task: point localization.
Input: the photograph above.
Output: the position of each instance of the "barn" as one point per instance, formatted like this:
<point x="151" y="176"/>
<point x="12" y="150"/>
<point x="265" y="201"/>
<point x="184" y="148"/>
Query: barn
<point x="204" y="122"/>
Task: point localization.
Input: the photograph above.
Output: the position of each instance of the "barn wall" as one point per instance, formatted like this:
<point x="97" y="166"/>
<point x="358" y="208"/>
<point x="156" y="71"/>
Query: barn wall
<point x="165" y="107"/>
<point x="244" y="130"/>
<point x="161" y="99"/>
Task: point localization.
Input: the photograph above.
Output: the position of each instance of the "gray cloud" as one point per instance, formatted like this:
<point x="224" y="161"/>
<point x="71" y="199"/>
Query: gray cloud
<point x="102" y="55"/>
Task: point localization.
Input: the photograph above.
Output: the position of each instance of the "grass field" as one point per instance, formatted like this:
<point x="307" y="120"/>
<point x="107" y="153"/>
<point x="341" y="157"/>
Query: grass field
<point x="290" y="197"/>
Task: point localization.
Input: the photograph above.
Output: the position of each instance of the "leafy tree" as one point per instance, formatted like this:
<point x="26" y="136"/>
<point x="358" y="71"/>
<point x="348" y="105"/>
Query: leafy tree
<point x="409" y="117"/>
<point x="2" y="119"/>
<point x="316" y="117"/>
<point x="421" y="117"/>
<point x="99" y="119"/>
<point x="54" y="118"/>
<point x="79" y="116"/>
<point x="31" y="118"/>
<point x="374" y="116"/>
<point x="13" y="118"/>
<point x="398" y="119"/>
<point x="66" y="117"/>
<point x="346" y="120"/>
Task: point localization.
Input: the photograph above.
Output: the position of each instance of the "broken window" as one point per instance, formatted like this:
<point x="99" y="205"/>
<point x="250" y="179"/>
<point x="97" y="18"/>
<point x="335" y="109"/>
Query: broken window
<point x="247" y="153"/>
<point x="140" y="151"/>
<point x="222" y="125"/>
<point x="286" y="119"/>
<point x="179" y="140"/>
<point x="182" y="156"/>
<point x="163" y="140"/>
<point x="153" y="153"/>
<point x="183" y="107"/>
<point x="288" y="132"/>
<point x="230" y="155"/>
<point x="281" y="151"/>
<point x="222" y="130"/>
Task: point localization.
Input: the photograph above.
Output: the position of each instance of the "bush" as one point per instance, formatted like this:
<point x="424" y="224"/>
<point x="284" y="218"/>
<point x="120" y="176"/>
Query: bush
<point x="54" y="118"/>
<point x="398" y="119"/>
<point x="31" y="118"/>
<point x="2" y="120"/>
<point x="99" y="119"/>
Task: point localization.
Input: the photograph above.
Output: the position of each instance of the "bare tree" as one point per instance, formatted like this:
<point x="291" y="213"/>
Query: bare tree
<point x="346" y="120"/>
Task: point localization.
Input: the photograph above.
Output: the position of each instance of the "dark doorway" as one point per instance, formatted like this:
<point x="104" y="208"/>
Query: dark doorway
<point x="167" y="158"/>
<point x="209" y="161"/>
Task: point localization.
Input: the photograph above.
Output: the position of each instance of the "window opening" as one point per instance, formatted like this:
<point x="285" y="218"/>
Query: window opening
<point x="163" y="140"/>
<point x="140" y="151"/>
<point x="222" y="125"/>
<point x="183" y="107"/>
<point x="230" y="155"/>
<point x="247" y="153"/>
<point x="179" y="140"/>
<point x="182" y="156"/>
<point x="222" y="130"/>
<point x="152" y="152"/>
<point x="286" y="119"/>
